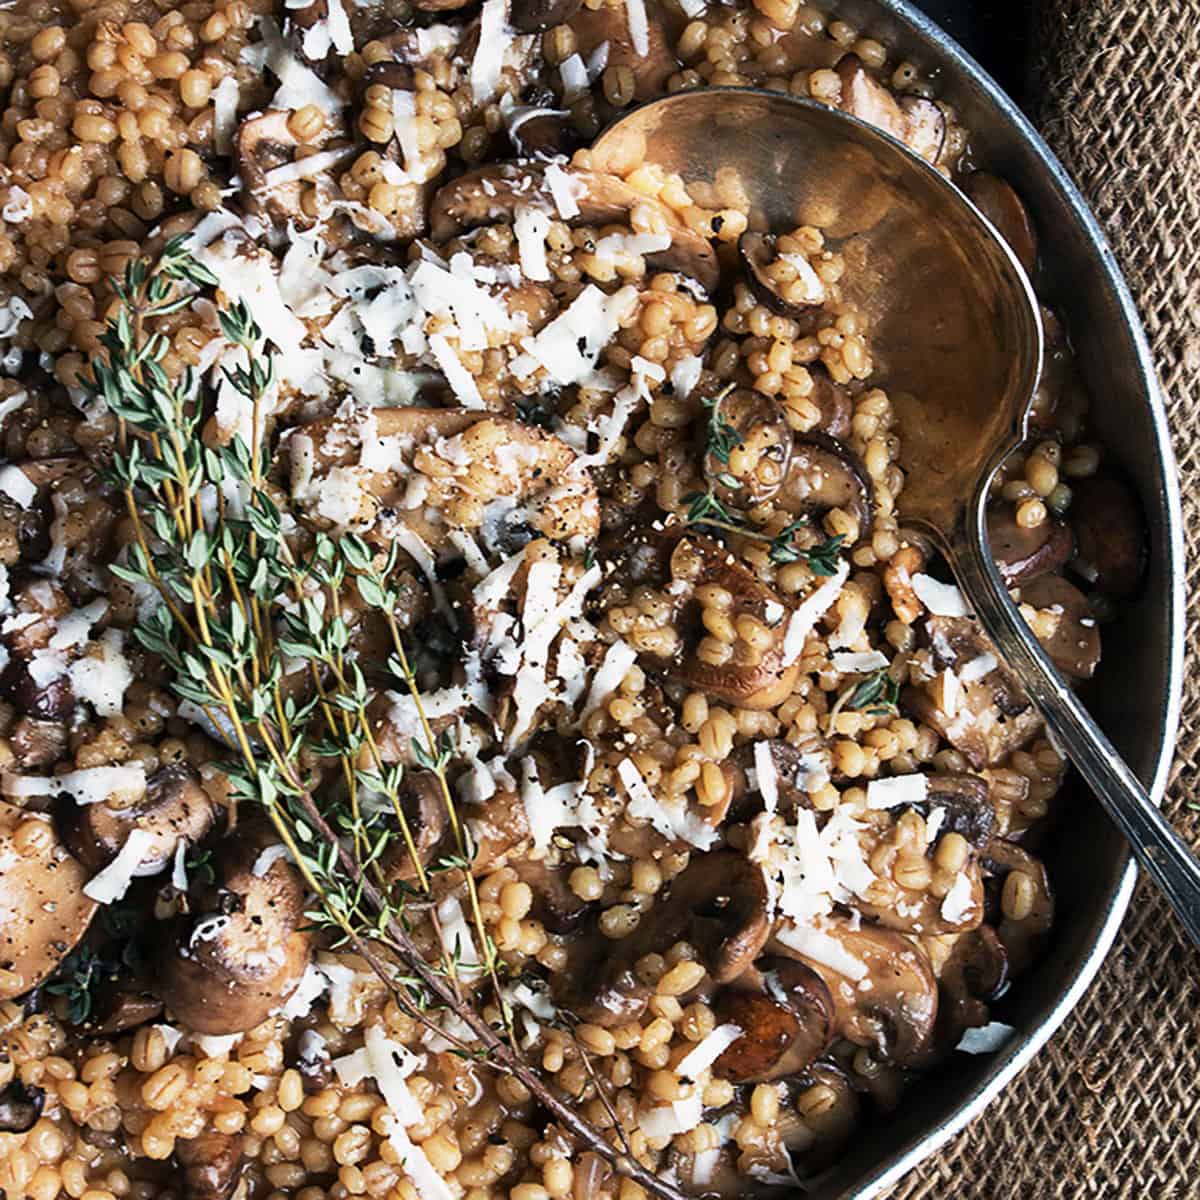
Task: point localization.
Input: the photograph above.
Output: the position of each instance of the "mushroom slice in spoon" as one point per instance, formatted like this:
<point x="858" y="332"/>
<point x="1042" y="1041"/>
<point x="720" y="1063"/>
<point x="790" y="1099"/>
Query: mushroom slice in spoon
<point x="496" y="192"/>
<point x="749" y="448"/>
<point x="240" y="954"/>
<point x="1110" y="534"/>
<point x="1073" y="639"/>
<point x="43" y="911"/>
<point x="786" y="284"/>
<point x="1026" y="901"/>
<point x="999" y="202"/>
<point x="1025" y="554"/>
<point x="824" y="474"/>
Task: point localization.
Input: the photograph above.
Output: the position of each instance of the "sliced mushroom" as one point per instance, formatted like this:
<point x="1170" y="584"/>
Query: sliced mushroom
<point x="1025" y="554"/>
<point x="262" y="143"/>
<point x="999" y="202"/>
<point x="174" y="807"/>
<point x="496" y="192"/>
<point x="825" y="474"/>
<point x="760" y="679"/>
<point x="884" y="995"/>
<point x="116" y="1009"/>
<point x="609" y="25"/>
<point x="1074" y="645"/>
<point x="537" y="131"/>
<point x="38" y="744"/>
<point x="1029" y="899"/>
<point x="555" y="905"/>
<point x="918" y="123"/>
<point x="498" y="826"/>
<point x="834" y="401"/>
<point x="21" y="1105"/>
<point x="919" y="911"/>
<point x="786" y="1019"/>
<point x="241" y="951"/>
<point x="820" y="1119"/>
<point x="1110" y="535"/>
<point x="966" y="805"/>
<point x="792" y="764"/>
<point x="973" y="975"/>
<point x="43" y="911"/>
<point x="210" y="1165"/>
<point x="536" y="16"/>
<point x="718" y="903"/>
<point x="424" y="808"/>
<point x="748" y="463"/>
<point x="795" y="297"/>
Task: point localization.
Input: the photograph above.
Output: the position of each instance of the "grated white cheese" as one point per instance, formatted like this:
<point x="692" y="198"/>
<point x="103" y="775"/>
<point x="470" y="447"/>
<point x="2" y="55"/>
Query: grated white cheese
<point x="457" y="939"/>
<point x="113" y="881"/>
<point x="101" y="677"/>
<point x="304" y="168"/>
<point x="942" y="599"/>
<point x="639" y="26"/>
<point x="179" y="879"/>
<point x="531" y="226"/>
<point x="91" y="785"/>
<point x="814" y="943"/>
<point x="565" y="191"/>
<point x="461" y="381"/>
<point x="390" y="1064"/>
<point x="18" y="207"/>
<point x="933" y="824"/>
<point x="978" y="668"/>
<point x="766" y="776"/>
<point x="225" y="105"/>
<point x="17" y="486"/>
<point x="574" y="75"/>
<point x="666" y="1120"/>
<point x="618" y="659"/>
<point x="672" y="820"/>
<point x="959" y="901"/>
<point x="985" y="1039"/>
<point x="858" y="663"/>
<point x="685" y="374"/>
<point x="569" y="346"/>
<point x="706" y="1052"/>
<point x="494" y="38"/>
<point x="267" y="858"/>
<point x="810" y="611"/>
<point x="899" y="789"/>
<point x="13" y="311"/>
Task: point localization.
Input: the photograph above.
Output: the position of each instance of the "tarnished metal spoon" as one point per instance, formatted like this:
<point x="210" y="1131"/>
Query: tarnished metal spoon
<point x="956" y="340"/>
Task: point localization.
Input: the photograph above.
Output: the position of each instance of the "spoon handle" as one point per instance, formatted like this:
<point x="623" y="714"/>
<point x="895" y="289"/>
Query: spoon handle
<point x="1157" y="847"/>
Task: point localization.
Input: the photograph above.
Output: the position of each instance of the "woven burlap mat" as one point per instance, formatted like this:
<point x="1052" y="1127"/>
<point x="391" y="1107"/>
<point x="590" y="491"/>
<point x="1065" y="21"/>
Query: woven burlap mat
<point x="1111" y="1107"/>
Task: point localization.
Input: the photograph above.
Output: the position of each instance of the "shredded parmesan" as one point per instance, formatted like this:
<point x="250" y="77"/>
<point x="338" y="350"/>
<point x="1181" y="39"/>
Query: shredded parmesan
<point x="942" y="599"/>
<point x="639" y="26"/>
<point x="113" y="882"/>
<point x="810" y="611"/>
<point x="899" y="789"/>
<point x="706" y="1052"/>
<point x="858" y="664"/>
<point x="91" y="785"/>
<point x="985" y="1039"/>
<point x="17" y="486"/>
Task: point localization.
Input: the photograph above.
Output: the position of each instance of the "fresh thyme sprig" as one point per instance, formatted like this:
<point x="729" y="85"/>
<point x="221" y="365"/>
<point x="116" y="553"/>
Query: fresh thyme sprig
<point x="210" y="538"/>
<point x="721" y="437"/>
<point x="878" y="694"/>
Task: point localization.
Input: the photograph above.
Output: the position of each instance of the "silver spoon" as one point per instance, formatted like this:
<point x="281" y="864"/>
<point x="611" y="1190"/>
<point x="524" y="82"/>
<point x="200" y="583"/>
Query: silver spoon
<point x="956" y="337"/>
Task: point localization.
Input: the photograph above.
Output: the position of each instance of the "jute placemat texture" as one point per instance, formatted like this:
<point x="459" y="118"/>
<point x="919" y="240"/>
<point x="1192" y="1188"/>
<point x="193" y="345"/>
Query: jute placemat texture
<point x="1111" y="1107"/>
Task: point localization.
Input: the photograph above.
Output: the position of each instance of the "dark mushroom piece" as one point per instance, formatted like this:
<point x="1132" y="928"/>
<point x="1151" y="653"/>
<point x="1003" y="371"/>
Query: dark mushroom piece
<point x="792" y="764"/>
<point x="785" y="1013"/>
<point x="973" y="975"/>
<point x="1074" y="646"/>
<point x="793" y="297"/>
<point x="1026" y="901"/>
<point x="21" y="1105"/>
<point x="262" y="143"/>
<point x="999" y="202"/>
<point x="919" y="124"/>
<point x="241" y="951"/>
<point x="888" y="1001"/>
<point x="535" y="131"/>
<point x="555" y="905"/>
<point x="1024" y="555"/>
<point x="424" y="808"/>
<point x="966" y="804"/>
<point x="174" y="807"/>
<point x="43" y="911"/>
<point x="498" y="826"/>
<point x="536" y="16"/>
<point x="718" y="903"/>
<point x="495" y="192"/>
<point x="1110" y="535"/>
<point x="760" y="680"/>
<point x="825" y="474"/>
<point x="834" y="401"/>
<point x="651" y="70"/>
<point x="117" y="1009"/>
<point x="210" y="1165"/>
<point x="747" y="459"/>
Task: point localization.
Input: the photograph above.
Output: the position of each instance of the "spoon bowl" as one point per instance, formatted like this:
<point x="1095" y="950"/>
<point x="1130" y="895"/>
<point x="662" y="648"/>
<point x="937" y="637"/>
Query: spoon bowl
<point x="955" y="338"/>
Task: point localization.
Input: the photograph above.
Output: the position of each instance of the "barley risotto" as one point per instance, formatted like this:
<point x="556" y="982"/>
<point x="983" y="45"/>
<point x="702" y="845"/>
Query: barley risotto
<point x="472" y="723"/>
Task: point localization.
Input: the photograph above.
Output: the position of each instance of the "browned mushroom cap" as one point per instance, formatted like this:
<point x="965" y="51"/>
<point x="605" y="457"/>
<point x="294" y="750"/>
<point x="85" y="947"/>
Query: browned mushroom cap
<point x="555" y="905"/>
<point x="495" y="192"/>
<point x="535" y="131"/>
<point x="594" y="26"/>
<point x="786" y="1026"/>
<point x="999" y="202"/>
<point x="498" y="826"/>
<point x="891" y="1005"/>
<point x="1110" y="535"/>
<point x="1026" y="901"/>
<point x="757" y="252"/>
<point x="210" y="1165"/>
<point x="1025" y="554"/>
<point x="43" y="911"/>
<point x="424" y="808"/>
<point x="973" y="975"/>
<point x="536" y="16"/>
<point x="825" y="474"/>
<point x="241" y="952"/>
<point x="1074" y="645"/>
<point x="440" y="5"/>
<point x="174" y="807"/>
<point x="748" y="464"/>
<point x="718" y="903"/>
<point x="918" y="123"/>
<point x="760" y="680"/>
<point x="20" y="1106"/>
